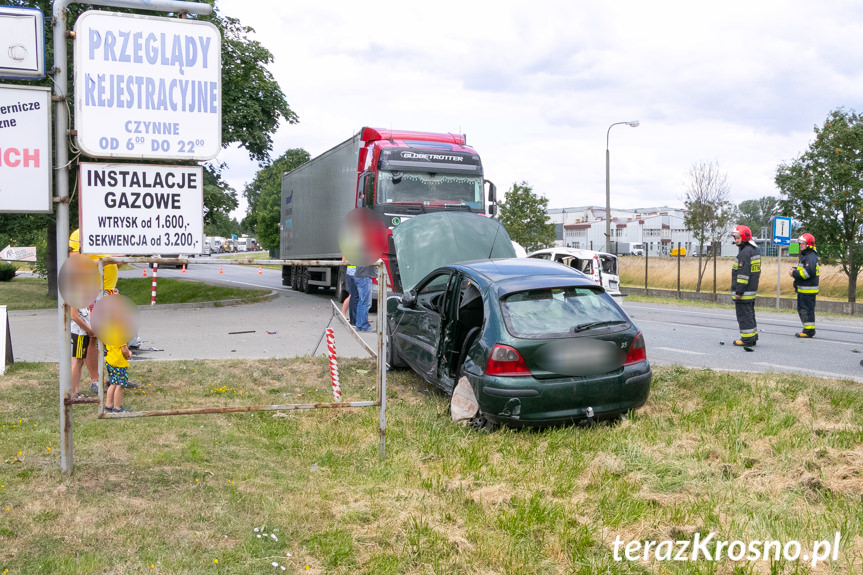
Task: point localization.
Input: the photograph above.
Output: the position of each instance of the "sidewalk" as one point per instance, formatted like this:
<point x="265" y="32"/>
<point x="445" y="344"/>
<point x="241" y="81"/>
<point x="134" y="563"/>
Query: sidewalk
<point x="184" y="333"/>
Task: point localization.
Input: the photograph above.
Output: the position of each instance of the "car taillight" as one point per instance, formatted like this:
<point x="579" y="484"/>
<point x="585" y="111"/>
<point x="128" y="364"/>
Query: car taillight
<point x="507" y="362"/>
<point x="637" y="351"/>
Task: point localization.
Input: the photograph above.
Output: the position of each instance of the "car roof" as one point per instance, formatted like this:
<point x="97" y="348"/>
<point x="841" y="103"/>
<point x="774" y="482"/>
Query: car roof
<point x="517" y="274"/>
<point x="577" y="252"/>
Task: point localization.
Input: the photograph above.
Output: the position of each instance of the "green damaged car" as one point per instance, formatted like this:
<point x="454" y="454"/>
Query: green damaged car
<point x="532" y="342"/>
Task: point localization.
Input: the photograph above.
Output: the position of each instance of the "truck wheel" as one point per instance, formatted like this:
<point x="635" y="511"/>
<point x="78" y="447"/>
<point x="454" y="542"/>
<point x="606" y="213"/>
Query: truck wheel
<point x="341" y="286"/>
<point x="286" y="275"/>
<point x="307" y="287"/>
<point x="296" y="273"/>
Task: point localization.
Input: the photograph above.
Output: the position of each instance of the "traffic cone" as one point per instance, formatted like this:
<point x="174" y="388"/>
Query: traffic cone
<point x="144" y="274"/>
<point x="184" y="268"/>
<point x="220" y="269"/>
<point x="260" y="272"/>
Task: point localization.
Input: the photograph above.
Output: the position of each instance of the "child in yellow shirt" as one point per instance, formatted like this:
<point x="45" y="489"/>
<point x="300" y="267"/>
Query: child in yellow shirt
<point x="117" y="363"/>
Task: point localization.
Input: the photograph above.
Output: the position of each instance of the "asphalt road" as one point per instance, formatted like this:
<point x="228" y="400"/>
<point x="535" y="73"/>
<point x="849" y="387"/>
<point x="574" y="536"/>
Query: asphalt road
<point x="702" y="337"/>
<point x="230" y="275"/>
<point x="675" y="335"/>
<point x="289" y="326"/>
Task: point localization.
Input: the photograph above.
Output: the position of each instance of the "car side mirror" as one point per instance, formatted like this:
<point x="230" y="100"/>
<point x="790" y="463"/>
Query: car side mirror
<point x="409" y="299"/>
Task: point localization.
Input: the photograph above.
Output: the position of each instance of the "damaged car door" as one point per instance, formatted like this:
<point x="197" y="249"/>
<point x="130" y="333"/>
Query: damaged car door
<point x="419" y="331"/>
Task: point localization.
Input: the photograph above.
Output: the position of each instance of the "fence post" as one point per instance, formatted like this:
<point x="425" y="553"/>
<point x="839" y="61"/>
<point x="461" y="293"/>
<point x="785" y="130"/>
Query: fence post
<point x="646" y="256"/>
<point x="678" y="270"/>
<point x="715" y="255"/>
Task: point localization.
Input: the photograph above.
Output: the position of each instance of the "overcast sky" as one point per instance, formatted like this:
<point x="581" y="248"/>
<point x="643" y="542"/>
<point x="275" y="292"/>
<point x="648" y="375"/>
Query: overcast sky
<point x="535" y="85"/>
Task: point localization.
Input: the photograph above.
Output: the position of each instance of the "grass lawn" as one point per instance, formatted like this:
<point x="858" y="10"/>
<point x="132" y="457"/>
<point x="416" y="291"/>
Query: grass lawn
<point x="26" y="293"/>
<point x="182" y="291"/>
<point x="30" y="293"/>
<point x="749" y="457"/>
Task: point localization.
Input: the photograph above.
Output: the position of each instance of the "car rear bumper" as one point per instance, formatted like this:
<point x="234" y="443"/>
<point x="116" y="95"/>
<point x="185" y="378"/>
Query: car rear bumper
<point x="528" y="401"/>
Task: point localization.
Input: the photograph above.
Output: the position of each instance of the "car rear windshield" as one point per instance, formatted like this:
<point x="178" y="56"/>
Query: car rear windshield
<point x="559" y="312"/>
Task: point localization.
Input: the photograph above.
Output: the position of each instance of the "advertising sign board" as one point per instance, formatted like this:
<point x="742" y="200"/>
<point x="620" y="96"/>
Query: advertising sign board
<point x="22" y="43"/>
<point x="25" y="149"/>
<point x="135" y="209"/>
<point x="147" y="87"/>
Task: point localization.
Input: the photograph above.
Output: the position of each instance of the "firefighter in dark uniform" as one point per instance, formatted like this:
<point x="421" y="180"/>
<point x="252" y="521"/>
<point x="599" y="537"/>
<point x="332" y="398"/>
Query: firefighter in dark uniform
<point x="745" y="274"/>
<point x="806" y="284"/>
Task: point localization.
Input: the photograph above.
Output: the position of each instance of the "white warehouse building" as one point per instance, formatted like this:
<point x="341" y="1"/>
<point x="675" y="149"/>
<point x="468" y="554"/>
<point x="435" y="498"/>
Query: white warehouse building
<point x="660" y="229"/>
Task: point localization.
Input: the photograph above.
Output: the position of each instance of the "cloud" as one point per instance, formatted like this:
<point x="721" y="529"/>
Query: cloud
<point x="536" y="86"/>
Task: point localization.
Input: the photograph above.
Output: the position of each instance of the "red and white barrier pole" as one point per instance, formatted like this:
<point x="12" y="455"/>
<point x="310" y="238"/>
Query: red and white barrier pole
<point x="334" y="364"/>
<point x="153" y="293"/>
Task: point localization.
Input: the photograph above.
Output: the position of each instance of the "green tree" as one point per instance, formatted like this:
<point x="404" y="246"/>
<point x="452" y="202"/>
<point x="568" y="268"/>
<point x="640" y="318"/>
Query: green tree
<point x="523" y="214"/>
<point x="223" y="226"/>
<point x="757" y="214"/>
<point x="253" y="105"/>
<point x="823" y="190"/>
<point x="264" y="197"/>
<point x="709" y="212"/>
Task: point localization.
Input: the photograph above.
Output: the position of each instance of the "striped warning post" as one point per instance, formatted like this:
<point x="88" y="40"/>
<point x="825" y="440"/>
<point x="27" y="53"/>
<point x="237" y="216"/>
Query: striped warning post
<point x="334" y="364"/>
<point x="260" y="271"/>
<point x="153" y="292"/>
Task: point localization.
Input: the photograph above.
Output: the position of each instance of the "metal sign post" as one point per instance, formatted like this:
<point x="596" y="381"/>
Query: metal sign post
<point x="61" y="180"/>
<point x="781" y="237"/>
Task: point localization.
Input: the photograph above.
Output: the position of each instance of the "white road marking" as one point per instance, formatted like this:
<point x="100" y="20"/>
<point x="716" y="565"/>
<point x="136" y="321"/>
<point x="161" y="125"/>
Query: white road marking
<point x="793" y="369"/>
<point x="680" y="350"/>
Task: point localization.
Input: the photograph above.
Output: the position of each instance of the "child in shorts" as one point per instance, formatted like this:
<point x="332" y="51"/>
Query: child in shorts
<point x="81" y="335"/>
<point x="116" y="363"/>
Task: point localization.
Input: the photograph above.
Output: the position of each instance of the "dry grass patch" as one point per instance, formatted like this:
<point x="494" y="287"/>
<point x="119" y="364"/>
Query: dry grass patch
<point x="662" y="274"/>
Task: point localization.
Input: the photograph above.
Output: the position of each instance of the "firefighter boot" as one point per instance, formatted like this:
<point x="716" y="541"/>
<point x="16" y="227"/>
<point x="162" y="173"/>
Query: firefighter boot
<point x="806" y="333"/>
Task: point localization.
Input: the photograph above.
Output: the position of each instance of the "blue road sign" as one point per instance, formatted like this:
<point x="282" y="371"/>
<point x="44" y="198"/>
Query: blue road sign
<point x="781" y="231"/>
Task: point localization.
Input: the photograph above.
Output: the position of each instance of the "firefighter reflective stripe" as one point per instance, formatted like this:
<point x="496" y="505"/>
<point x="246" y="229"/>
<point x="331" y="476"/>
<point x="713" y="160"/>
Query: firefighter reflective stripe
<point x="808" y="326"/>
<point x="748" y="295"/>
<point x="755" y="264"/>
<point x="807" y="290"/>
<point x="803" y="273"/>
<point x="748" y="334"/>
<point x="741" y="279"/>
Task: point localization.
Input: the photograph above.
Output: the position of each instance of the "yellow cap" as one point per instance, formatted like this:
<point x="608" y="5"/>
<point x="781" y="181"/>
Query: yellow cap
<point x="75" y="240"/>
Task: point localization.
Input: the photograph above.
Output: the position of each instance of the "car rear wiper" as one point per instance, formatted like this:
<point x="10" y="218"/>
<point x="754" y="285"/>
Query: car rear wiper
<point x="593" y="324"/>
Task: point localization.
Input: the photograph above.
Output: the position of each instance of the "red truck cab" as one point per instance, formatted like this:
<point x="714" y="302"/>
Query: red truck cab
<point x="403" y="174"/>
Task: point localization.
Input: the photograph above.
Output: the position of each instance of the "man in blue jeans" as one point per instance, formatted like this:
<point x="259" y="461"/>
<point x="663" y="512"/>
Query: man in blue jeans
<point x="363" y="279"/>
<point x="352" y="294"/>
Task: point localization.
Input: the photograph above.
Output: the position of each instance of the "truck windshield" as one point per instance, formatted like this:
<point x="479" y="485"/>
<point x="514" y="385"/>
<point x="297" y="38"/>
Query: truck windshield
<point x="436" y="189"/>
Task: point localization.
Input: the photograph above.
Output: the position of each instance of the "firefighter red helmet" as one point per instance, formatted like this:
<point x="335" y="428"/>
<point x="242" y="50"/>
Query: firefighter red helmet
<point x="807" y="239"/>
<point x="744" y="232"/>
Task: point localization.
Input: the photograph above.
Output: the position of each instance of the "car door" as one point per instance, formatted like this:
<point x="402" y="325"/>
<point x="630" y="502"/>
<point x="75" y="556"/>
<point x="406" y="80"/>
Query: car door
<point x="418" y="334"/>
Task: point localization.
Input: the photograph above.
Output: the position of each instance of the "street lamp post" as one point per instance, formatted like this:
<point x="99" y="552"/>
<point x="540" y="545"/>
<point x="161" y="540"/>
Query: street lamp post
<point x="634" y="124"/>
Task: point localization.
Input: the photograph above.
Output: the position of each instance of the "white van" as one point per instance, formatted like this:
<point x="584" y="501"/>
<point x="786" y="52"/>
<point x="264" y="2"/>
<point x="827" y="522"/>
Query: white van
<point x="601" y="266"/>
